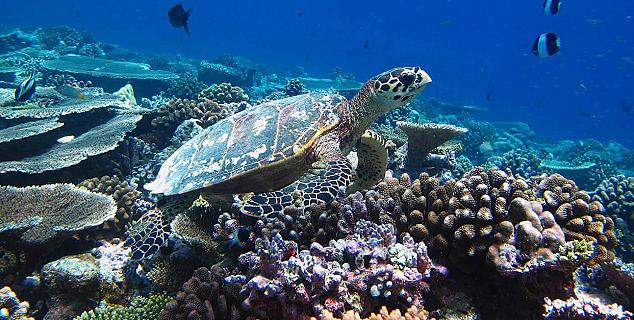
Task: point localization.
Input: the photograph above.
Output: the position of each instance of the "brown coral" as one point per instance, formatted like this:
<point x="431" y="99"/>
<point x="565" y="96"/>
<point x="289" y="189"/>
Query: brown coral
<point x="202" y="297"/>
<point x="121" y="191"/>
<point x="171" y="114"/>
<point x="223" y="93"/>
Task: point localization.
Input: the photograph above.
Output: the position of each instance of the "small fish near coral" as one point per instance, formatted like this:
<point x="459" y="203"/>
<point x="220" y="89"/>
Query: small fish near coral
<point x="26" y="89"/>
<point x="179" y="17"/>
<point x="546" y="45"/>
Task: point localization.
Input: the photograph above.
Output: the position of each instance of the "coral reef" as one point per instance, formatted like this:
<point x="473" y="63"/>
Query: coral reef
<point x="360" y="272"/>
<point x="204" y="297"/>
<point x="68" y="210"/>
<point x="412" y="313"/>
<point x="578" y="309"/>
<point x="170" y="115"/>
<point x="294" y="87"/>
<point x="98" y="140"/>
<point x="121" y="191"/>
<point x="11" y="307"/>
<point x="140" y="308"/>
<point x="185" y="87"/>
<point x="223" y="93"/>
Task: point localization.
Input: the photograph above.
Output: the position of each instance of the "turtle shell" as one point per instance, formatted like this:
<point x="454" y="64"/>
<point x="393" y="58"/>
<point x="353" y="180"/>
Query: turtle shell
<point x="261" y="148"/>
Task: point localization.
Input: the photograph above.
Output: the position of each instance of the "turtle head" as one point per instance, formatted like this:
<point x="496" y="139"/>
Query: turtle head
<point x="395" y="87"/>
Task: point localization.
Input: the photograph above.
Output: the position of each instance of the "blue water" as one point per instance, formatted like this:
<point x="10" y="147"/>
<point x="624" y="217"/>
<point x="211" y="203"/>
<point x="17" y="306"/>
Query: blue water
<point x="470" y="48"/>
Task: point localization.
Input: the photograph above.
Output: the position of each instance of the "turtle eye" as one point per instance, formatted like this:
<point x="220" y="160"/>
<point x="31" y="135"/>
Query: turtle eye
<point x="408" y="79"/>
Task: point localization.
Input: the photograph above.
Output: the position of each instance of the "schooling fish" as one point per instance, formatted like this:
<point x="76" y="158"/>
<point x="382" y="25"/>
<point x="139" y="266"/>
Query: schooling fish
<point x="551" y="7"/>
<point x="179" y="17"/>
<point x="26" y="89"/>
<point x="546" y="45"/>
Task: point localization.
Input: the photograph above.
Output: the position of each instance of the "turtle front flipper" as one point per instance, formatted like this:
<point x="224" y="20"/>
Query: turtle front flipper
<point x="372" y="154"/>
<point x="320" y="184"/>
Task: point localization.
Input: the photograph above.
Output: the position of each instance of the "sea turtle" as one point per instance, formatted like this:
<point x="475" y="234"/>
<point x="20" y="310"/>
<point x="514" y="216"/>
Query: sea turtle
<point x="289" y="151"/>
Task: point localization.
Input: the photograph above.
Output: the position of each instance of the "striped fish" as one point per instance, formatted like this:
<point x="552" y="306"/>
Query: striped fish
<point x="26" y="89"/>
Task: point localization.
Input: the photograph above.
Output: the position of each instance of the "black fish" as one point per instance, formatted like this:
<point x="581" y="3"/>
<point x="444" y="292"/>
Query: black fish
<point x="546" y="45"/>
<point x="551" y="7"/>
<point x="366" y="45"/>
<point x="26" y="89"/>
<point x="179" y="17"/>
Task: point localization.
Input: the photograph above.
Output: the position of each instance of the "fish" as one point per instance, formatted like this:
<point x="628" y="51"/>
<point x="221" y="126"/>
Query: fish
<point x="65" y="139"/>
<point x="26" y="89"/>
<point x="179" y="17"/>
<point x="546" y="45"/>
<point x="551" y="7"/>
<point x="71" y="91"/>
<point x="366" y="45"/>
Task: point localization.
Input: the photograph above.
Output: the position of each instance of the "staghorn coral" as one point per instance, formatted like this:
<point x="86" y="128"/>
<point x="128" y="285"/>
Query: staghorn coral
<point x="581" y="309"/>
<point x="359" y="272"/>
<point x="52" y="211"/>
<point x="294" y="87"/>
<point x="140" y="308"/>
<point x="203" y="297"/>
<point x="11" y="308"/>
<point x="223" y="93"/>
<point x="121" y="191"/>
<point x="412" y="313"/>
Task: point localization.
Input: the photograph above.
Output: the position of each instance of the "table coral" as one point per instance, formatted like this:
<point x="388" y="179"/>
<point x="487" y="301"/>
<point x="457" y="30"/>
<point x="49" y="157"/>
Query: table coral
<point x="51" y="211"/>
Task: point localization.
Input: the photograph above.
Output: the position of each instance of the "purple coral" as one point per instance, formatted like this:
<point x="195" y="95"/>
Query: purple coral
<point x="361" y="272"/>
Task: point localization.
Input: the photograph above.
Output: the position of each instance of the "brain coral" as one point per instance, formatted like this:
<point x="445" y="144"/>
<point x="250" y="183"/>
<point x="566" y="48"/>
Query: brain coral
<point x="50" y="211"/>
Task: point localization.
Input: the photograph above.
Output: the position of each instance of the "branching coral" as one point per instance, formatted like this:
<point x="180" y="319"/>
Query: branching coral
<point x="185" y="87"/>
<point x="52" y="211"/>
<point x="140" y="308"/>
<point x="412" y="313"/>
<point x="360" y="272"/>
<point x="11" y="308"/>
<point x="223" y="93"/>
<point x="585" y="308"/>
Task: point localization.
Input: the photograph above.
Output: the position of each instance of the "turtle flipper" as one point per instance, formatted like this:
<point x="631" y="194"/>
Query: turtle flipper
<point x="372" y="154"/>
<point x="320" y="184"/>
<point x="149" y="233"/>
